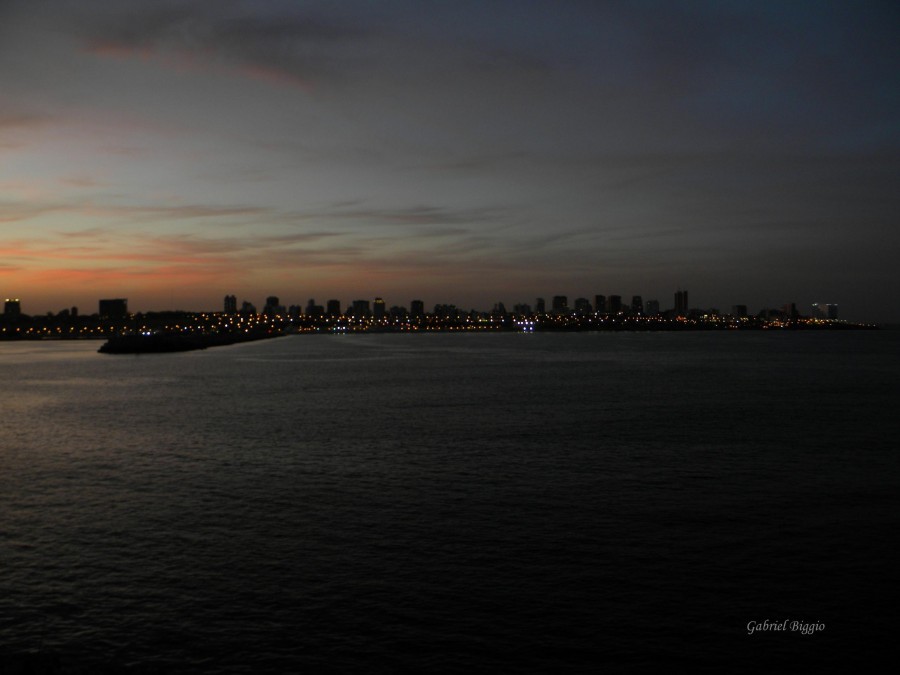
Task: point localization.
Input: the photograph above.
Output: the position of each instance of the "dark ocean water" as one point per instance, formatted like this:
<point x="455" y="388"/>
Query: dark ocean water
<point x="452" y="503"/>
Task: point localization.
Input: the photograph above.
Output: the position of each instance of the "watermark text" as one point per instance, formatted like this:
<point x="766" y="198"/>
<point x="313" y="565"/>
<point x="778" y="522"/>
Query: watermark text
<point x="786" y="626"/>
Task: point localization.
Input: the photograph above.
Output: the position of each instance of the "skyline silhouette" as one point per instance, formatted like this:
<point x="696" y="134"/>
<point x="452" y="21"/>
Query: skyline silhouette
<point x="378" y="307"/>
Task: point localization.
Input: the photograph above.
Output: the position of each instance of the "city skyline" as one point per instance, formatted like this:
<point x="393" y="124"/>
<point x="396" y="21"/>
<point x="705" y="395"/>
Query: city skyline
<point x="472" y="153"/>
<point x="132" y="332"/>
<point x="377" y="307"/>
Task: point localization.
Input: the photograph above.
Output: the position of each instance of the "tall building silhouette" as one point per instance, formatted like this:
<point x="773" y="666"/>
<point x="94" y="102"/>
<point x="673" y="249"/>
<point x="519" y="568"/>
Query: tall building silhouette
<point x="230" y="304"/>
<point x="273" y="306"/>
<point x="116" y="308"/>
<point x="12" y="307"/>
<point x="825" y="310"/>
<point x="681" y="303"/>
<point x="360" y="309"/>
<point x="312" y="309"/>
<point x="637" y="305"/>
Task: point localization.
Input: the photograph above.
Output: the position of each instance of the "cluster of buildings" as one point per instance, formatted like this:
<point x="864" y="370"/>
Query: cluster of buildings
<point x="604" y="313"/>
<point x="377" y="310"/>
<point x="603" y="305"/>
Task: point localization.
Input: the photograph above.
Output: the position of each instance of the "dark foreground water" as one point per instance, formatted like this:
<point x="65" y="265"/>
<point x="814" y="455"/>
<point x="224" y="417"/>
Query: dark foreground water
<point x="451" y="503"/>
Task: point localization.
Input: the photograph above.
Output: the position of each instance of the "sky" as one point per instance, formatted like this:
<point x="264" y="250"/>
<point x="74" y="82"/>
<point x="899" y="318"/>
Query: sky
<point x="456" y="152"/>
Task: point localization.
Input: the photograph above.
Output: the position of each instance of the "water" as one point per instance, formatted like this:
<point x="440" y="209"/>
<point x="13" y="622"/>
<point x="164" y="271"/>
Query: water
<point x="449" y="503"/>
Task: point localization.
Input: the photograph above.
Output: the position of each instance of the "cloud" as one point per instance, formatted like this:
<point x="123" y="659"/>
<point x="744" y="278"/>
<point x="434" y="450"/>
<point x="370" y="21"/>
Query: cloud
<point x="16" y="125"/>
<point x="13" y="120"/>
<point x="414" y="215"/>
<point x="185" y="212"/>
<point x="80" y="181"/>
<point x="88" y="233"/>
<point x="11" y="212"/>
<point x="291" y="46"/>
<point x="100" y="245"/>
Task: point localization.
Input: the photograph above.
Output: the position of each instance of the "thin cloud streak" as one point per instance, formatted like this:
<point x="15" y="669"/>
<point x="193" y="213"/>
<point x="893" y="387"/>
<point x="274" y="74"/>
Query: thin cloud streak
<point x="287" y="50"/>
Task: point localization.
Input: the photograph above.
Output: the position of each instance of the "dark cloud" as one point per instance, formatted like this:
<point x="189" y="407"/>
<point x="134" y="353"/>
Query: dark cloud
<point x="416" y="215"/>
<point x="11" y="211"/>
<point x="283" y="43"/>
<point x="188" y="211"/>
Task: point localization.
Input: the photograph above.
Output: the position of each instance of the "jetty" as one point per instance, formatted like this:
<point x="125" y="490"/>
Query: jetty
<point x="160" y="342"/>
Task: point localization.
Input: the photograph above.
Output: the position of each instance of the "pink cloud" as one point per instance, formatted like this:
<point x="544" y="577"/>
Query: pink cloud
<point x="204" y="61"/>
<point x="273" y="76"/>
<point x="114" y="50"/>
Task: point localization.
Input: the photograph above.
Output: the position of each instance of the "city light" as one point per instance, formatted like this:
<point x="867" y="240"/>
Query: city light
<point x="211" y="328"/>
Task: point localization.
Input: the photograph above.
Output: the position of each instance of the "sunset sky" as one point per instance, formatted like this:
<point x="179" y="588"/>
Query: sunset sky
<point x="458" y="152"/>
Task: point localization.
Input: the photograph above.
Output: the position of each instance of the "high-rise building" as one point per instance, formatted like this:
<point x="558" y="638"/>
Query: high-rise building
<point x="540" y="306"/>
<point x="446" y="311"/>
<point x="116" y="308"/>
<point x="379" y="309"/>
<point x="825" y="310"/>
<point x="614" y="304"/>
<point x="360" y="309"/>
<point x="333" y="308"/>
<point x="230" y="304"/>
<point x="600" y="304"/>
<point x="314" y="310"/>
<point x="12" y="307"/>
<point x="416" y="309"/>
<point x="681" y="303"/>
<point x="582" y="306"/>
<point x="560" y="303"/>
<point x="637" y="305"/>
<point x="273" y="306"/>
